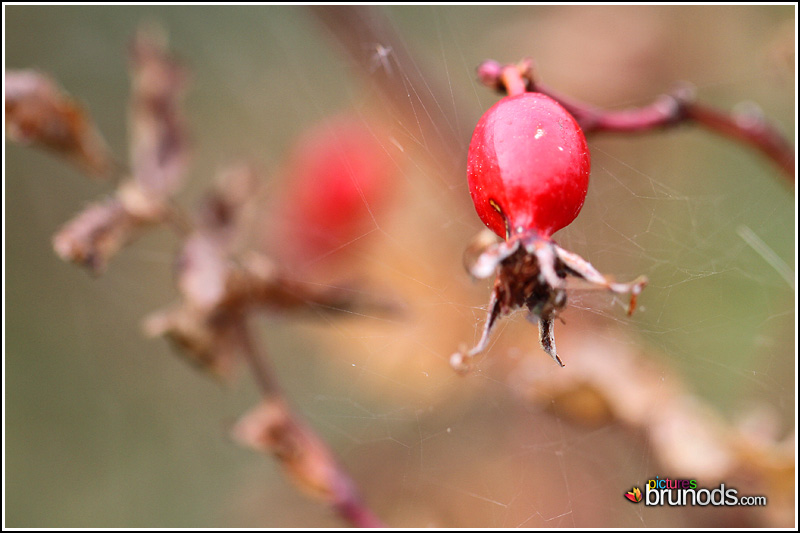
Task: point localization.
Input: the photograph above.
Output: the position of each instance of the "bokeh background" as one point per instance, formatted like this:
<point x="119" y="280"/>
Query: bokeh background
<point x="105" y="428"/>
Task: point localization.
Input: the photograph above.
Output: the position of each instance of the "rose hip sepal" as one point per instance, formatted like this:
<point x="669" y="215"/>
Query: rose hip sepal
<point x="532" y="272"/>
<point x="528" y="175"/>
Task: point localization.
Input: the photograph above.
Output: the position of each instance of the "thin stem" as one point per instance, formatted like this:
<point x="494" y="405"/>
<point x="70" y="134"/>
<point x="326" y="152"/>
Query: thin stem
<point x="757" y="133"/>
<point x="352" y="508"/>
<point x="344" y="497"/>
<point x="512" y="80"/>
<point x="665" y="112"/>
<point x="258" y="361"/>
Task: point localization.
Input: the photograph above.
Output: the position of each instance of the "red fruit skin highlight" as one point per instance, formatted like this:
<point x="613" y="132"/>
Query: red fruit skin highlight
<point x="528" y="167"/>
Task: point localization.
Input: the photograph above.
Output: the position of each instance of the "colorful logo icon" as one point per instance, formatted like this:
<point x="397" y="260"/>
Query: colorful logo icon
<point x="634" y="495"/>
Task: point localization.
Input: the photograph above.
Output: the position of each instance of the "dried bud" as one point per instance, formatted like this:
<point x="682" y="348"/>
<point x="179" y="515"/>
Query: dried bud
<point x="38" y="112"/>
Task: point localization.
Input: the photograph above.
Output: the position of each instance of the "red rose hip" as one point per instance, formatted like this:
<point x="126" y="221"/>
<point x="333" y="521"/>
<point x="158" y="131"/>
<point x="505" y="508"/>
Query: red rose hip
<point x="528" y="167"/>
<point x="528" y="173"/>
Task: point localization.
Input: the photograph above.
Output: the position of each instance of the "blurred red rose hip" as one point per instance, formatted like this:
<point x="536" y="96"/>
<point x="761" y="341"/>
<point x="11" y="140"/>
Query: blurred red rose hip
<point x="339" y="176"/>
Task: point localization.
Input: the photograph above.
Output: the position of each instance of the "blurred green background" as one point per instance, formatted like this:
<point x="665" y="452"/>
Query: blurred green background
<point x="105" y="428"/>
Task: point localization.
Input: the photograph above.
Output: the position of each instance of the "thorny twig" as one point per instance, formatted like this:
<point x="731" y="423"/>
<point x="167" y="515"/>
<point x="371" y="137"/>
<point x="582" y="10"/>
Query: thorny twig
<point x="749" y="127"/>
<point x="219" y="290"/>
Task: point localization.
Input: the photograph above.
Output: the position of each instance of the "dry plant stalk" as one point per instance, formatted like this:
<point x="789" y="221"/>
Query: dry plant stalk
<point x="219" y="287"/>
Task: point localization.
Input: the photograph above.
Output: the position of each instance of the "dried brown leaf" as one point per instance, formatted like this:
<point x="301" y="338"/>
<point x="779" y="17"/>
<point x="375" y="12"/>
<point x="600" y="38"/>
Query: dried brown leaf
<point x="159" y="145"/>
<point x="271" y="428"/>
<point x="208" y="342"/>
<point x="39" y="112"/>
<point x="98" y="232"/>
